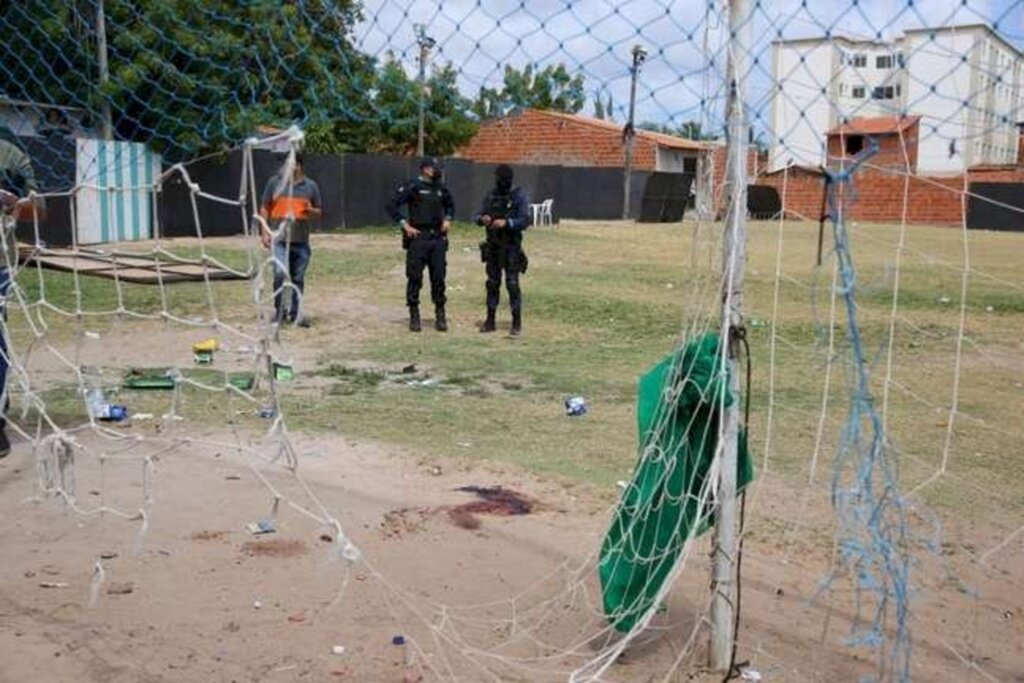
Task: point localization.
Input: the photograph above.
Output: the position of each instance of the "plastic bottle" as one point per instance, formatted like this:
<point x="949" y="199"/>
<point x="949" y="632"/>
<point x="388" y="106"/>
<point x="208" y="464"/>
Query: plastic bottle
<point x="100" y="409"/>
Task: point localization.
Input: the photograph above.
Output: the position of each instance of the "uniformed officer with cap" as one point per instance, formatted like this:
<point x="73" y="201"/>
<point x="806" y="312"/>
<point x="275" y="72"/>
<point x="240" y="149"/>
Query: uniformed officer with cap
<point x="428" y="211"/>
<point x="504" y="214"/>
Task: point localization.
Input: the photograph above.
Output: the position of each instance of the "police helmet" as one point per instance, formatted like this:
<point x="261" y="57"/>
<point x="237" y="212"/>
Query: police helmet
<point x="432" y="162"/>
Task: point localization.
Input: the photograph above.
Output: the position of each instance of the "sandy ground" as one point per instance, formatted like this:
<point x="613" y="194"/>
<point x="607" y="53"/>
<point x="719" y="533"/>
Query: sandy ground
<point x="209" y="601"/>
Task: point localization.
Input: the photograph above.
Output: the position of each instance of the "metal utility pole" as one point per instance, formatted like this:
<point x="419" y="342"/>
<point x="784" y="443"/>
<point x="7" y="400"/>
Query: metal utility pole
<point x="426" y="43"/>
<point x="639" y="55"/>
<point x="101" y="49"/>
<point x="734" y="258"/>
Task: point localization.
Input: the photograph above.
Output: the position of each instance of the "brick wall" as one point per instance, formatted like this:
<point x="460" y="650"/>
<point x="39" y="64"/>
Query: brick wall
<point x="756" y="162"/>
<point x="879" y="197"/>
<point x="895" y="151"/>
<point x="533" y="137"/>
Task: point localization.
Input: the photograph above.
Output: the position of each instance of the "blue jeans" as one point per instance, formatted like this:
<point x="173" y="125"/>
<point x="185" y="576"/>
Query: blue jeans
<point x="290" y="261"/>
<point x="5" y="284"/>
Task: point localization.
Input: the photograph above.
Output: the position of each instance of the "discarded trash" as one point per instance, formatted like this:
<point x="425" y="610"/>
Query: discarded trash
<point x="989" y="309"/>
<point x="232" y="477"/>
<point x="622" y="484"/>
<point x="944" y="299"/>
<point x="338" y="650"/>
<point x="267" y="412"/>
<point x="436" y="471"/>
<point x="398" y="640"/>
<point x="428" y="382"/>
<point x="296" y="618"/>
<point x="92" y="335"/>
<point x="409" y="369"/>
<point x="256" y="604"/>
<point x="756" y="322"/>
<point x="283" y="372"/>
<point x="264" y="526"/>
<point x="53" y="584"/>
<point x="203" y="358"/>
<point x="206" y="346"/>
<point x="575" y="406"/>
<point x="101" y="410"/>
<point x="142" y="416"/>
<point x="750" y="675"/>
<point x="125" y="588"/>
<point x="108" y="555"/>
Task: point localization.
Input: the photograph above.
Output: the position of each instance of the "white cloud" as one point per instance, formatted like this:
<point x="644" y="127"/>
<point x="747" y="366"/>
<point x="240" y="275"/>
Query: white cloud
<point x="685" y="41"/>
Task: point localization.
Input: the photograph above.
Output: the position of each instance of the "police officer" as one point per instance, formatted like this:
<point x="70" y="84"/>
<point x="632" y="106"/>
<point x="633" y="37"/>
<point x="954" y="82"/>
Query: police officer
<point x="425" y="224"/>
<point x="17" y="181"/>
<point x="504" y="215"/>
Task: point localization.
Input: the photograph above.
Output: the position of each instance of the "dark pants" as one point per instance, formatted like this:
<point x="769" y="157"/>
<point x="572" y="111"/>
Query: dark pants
<point x="290" y="261"/>
<point x="5" y="284"/>
<point x="426" y="251"/>
<point x="503" y="257"/>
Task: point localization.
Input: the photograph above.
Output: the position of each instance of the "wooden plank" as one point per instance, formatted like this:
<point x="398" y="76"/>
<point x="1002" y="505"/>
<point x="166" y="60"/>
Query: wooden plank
<point x="140" y="269"/>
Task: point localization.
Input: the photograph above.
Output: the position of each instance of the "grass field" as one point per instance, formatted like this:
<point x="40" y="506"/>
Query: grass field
<point x="604" y="302"/>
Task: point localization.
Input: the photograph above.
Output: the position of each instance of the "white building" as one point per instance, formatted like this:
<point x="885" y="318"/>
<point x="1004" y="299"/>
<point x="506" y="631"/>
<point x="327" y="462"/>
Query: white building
<point x="964" y="81"/>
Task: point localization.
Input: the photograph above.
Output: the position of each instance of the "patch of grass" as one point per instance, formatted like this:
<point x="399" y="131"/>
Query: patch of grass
<point x="599" y="310"/>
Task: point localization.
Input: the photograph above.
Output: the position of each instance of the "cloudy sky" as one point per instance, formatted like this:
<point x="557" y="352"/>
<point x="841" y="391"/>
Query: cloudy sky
<point x="684" y="39"/>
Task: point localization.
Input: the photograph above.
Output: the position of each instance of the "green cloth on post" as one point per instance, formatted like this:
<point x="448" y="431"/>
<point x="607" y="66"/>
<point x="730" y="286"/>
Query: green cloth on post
<point x="678" y="408"/>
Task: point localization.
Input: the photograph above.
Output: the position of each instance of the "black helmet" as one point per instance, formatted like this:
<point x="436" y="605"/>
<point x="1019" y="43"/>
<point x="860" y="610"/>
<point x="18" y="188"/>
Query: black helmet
<point x="433" y="162"/>
<point x="504" y="172"/>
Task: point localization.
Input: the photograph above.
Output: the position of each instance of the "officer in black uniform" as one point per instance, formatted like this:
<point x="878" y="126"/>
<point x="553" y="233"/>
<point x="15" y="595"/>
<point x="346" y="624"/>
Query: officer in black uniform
<point x="505" y="214"/>
<point x="425" y="224"/>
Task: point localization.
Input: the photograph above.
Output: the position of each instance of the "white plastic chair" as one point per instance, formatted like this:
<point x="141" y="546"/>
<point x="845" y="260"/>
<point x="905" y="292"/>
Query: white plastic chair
<point x="542" y="214"/>
<point x="535" y="210"/>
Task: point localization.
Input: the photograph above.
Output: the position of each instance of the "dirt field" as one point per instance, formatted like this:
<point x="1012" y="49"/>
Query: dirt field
<point x="199" y="598"/>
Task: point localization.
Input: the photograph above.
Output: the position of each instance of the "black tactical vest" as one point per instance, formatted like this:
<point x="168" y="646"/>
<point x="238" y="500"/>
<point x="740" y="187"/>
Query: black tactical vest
<point x="501" y="205"/>
<point x="426" y="210"/>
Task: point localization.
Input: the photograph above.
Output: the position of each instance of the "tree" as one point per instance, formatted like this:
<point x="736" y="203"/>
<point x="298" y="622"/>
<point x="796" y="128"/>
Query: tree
<point x="691" y="130"/>
<point x="394" y="122"/>
<point x="550" y="88"/>
<point x="191" y="75"/>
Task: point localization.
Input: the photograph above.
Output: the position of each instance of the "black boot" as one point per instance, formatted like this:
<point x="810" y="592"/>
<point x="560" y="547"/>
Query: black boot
<point x="488" y="325"/>
<point x="517" y="323"/>
<point x="414" y="319"/>
<point x="440" y="320"/>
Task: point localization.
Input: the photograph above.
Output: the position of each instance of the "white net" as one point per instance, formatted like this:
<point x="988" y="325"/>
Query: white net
<point x="882" y="536"/>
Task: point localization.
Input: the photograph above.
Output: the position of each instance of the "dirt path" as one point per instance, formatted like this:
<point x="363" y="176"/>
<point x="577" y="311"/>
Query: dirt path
<point x="209" y="601"/>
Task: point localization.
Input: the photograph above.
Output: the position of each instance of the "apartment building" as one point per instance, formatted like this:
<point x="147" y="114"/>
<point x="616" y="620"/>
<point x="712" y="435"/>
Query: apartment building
<point x="965" y="83"/>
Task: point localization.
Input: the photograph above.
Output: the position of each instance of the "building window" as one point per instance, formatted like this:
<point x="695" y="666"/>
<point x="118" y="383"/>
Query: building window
<point x="882" y="92"/>
<point x="853" y="144"/>
<point x="897" y="90"/>
<point x="858" y="92"/>
<point x="883" y="62"/>
<point x="901" y="60"/>
<point x="860" y="60"/>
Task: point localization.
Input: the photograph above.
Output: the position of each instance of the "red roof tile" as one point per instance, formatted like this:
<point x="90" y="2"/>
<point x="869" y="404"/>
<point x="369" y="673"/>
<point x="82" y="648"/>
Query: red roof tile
<point x="659" y="138"/>
<point x="875" y="125"/>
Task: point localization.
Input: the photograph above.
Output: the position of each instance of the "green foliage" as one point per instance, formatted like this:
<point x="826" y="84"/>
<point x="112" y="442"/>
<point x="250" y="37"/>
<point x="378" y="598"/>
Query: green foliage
<point x="551" y="88"/>
<point x="395" y="123"/>
<point x="191" y="75"/>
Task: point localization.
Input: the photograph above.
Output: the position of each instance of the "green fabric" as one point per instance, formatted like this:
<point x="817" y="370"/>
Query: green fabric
<point x="660" y="508"/>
